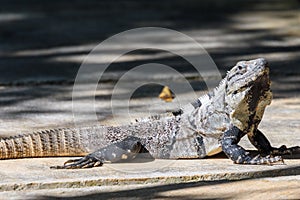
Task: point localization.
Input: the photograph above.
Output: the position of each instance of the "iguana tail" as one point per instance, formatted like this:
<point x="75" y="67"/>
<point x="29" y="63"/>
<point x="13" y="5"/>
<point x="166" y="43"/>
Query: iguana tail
<point x="48" y="143"/>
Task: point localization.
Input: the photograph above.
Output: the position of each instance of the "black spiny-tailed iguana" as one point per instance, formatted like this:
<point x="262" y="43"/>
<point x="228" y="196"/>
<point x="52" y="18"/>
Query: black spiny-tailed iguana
<point x="213" y="123"/>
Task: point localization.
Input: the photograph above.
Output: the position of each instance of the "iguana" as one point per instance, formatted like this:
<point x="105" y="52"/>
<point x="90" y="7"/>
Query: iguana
<point x="213" y="123"/>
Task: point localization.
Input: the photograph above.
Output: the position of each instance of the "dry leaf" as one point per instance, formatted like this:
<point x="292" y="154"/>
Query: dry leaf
<point x="166" y="94"/>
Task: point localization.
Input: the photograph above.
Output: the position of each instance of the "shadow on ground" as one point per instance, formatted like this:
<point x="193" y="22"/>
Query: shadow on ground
<point x="46" y="41"/>
<point x="196" y="190"/>
<point x="149" y="192"/>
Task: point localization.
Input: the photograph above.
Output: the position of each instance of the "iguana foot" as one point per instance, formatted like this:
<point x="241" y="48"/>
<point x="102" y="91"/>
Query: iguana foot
<point x="260" y="160"/>
<point x="259" y="140"/>
<point x="238" y="154"/>
<point x="124" y="150"/>
<point x="283" y="150"/>
<point x="81" y="163"/>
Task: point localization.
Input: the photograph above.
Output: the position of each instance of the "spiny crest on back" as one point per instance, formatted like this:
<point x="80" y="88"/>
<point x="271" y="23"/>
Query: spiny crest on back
<point x="154" y="117"/>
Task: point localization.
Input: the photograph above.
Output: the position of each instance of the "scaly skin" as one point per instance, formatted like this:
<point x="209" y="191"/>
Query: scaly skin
<point x="58" y="142"/>
<point x="213" y="123"/>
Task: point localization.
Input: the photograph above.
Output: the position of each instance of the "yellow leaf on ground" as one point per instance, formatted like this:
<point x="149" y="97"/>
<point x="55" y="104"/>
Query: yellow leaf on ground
<point x="166" y="94"/>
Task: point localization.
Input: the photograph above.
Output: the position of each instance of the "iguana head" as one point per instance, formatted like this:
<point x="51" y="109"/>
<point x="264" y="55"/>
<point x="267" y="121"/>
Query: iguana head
<point x="247" y="92"/>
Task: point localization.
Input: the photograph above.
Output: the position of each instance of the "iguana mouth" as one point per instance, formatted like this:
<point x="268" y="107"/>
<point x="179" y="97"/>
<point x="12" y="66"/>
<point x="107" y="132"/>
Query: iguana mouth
<point x="262" y="77"/>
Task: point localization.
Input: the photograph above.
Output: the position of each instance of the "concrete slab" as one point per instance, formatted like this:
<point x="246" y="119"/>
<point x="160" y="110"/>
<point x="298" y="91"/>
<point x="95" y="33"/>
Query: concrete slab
<point x="31" y="174"/>
<point x="286" y="187"/>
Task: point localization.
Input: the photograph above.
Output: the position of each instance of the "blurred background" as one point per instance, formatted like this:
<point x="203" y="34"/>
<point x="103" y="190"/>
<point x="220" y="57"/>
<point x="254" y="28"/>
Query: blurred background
<point x="42" y="44"/>
<point x="47" y="40"/>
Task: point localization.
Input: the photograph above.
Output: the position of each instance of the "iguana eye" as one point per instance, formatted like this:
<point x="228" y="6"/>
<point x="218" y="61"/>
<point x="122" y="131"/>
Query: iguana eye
<point x="240" y="70"/>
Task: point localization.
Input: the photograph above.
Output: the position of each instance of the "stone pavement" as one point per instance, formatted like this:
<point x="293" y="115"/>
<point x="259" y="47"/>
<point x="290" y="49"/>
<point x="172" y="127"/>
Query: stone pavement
<point x="285" y="187"/>
<point x="33" y="179"/>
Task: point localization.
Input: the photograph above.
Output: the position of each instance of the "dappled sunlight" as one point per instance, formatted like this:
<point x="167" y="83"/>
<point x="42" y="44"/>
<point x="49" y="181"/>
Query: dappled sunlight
<point x="10" y="17"/>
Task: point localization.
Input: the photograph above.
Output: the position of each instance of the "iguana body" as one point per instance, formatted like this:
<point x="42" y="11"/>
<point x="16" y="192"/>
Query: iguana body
<point x="213" y="123"/>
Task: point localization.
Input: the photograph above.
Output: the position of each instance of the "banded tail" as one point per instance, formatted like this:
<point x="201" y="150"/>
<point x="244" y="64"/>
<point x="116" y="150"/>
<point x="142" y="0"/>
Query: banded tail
<point x="48" y="143"/>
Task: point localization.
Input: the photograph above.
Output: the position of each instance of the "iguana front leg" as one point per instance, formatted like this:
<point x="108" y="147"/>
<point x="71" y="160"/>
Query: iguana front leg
<point x="238" y="154"/>
<point x="262" y="144"/>
<point x="123" y="150"/>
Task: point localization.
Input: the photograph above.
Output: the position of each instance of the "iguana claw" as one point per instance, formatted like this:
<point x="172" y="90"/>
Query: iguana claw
<point x="81" y="163"/>
<point x="283" y="150"/>
<point x="266" y="160"/>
